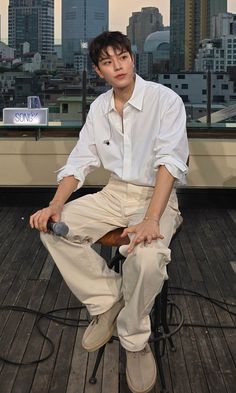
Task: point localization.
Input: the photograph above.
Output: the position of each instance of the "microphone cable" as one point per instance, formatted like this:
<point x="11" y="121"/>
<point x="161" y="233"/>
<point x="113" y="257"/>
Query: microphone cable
<point x="73" y="322"/>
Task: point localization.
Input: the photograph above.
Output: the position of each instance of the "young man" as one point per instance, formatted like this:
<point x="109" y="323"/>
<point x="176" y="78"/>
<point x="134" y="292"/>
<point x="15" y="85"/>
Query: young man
<point x="137" y="130"/>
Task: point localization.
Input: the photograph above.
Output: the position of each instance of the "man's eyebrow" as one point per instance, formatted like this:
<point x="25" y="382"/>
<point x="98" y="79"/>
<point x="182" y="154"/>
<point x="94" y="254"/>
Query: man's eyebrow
<point x="106" y="56"/>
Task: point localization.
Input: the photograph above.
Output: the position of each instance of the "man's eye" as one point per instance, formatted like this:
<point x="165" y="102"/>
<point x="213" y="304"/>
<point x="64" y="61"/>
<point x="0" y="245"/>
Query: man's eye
<point x="124" y="57"/>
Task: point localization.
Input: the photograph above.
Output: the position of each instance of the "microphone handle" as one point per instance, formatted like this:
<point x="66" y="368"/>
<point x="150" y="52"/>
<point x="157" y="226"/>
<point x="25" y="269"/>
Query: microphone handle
<point x="58" y="228"/>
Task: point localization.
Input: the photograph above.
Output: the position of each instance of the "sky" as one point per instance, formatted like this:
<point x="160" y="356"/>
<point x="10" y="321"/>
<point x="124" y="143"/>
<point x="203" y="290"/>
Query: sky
<point x="119" y="10"/>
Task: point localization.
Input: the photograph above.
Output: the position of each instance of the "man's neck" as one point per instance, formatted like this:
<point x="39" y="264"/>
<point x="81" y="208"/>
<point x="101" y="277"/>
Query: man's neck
<point x="121" y="96"/>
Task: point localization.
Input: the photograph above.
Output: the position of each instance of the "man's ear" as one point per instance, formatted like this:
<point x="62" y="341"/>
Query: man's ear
<point x="97" y="70"/>
<point x="132" y="57"/>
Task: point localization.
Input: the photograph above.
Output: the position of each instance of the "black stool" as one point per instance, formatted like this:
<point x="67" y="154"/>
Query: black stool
<point x="161" y="313"/>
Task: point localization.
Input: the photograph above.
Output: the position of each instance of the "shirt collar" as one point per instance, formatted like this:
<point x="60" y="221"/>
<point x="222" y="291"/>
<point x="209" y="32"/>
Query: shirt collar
<point x="136" y="100"/>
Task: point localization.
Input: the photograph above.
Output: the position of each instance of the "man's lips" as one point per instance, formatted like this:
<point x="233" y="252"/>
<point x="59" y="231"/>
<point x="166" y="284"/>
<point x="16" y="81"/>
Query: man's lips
<point x="120" y="76"/>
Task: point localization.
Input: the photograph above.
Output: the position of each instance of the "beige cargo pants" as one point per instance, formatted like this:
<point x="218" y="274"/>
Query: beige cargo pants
<point x="119" y="204"/>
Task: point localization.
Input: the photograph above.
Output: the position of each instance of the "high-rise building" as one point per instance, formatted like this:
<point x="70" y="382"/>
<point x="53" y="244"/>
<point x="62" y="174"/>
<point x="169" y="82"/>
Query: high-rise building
<point x="31" y="21"/>
<point x="190" y="23"/>
<point x="143" y="23"/>
<point x="82" y="20"/>
<point x="177" y="26"/>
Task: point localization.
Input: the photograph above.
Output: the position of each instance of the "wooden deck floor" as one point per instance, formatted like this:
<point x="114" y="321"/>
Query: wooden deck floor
<point x="203" y="259"/>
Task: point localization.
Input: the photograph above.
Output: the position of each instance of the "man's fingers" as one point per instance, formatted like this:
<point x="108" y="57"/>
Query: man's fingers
<point x="127" y="230"/>
<point x="39" y="220"/>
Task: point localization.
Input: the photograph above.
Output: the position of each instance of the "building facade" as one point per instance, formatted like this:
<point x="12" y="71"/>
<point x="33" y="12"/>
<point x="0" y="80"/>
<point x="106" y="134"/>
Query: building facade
<point x="82" y="20"/>
<point x="192" y="87"/>
<point x="158" y="44"/>
<point x="31" y="21"/>
<point x="223" y="24"/>
<point x="217" y="54"/>
<point x="190" y="23"/>
<point x="143" y="23"/>
<point x="6" y="53"/>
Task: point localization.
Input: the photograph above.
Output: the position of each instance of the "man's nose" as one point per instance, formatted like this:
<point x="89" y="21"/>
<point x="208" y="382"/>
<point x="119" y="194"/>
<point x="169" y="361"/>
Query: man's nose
<point x="117" y="65"/>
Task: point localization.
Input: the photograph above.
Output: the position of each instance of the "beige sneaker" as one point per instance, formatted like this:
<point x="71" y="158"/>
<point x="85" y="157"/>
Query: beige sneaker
<point x="101" y="328"/>
<point x="141" y="370"/>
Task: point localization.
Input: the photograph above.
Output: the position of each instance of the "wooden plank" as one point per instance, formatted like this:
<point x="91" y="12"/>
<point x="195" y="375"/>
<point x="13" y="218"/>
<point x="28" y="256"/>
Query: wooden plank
<point x="9" y="379"/>
<point x="9" y="334"/>
<point x="47" y="269"/>
<point x="62" y="367"/>
<point x="79" y="363"/>
<point x="110" y="380"/>
<point x="26" y="375"/>
<point x="44" y="373"/>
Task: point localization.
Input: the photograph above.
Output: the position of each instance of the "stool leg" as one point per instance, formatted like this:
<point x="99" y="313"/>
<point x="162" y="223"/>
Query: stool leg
<point x="156" y="323"/>
<point x="93" y="378"/>
<point x="164" y="306"/>
<point x="160" y="367"/>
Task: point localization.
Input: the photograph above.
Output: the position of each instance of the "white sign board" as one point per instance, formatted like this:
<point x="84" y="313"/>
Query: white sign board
<point x="25" y="117"/>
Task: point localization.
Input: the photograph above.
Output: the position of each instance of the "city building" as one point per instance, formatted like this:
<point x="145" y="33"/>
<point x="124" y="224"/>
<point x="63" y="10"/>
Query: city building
<point x="190" y="23"/>
<point x="223" y="24"/>
<point x="82" y="20"/>
<point x="158" y="44"/>
<point x="31" y="21"/>
<point x="217" y="54"/>
<point x="143" y="23"/>
<point x="6" y="53"/>
<point x="192" y="87"/>
<point x="31" y="62"/>
<point x="144" y="65"/>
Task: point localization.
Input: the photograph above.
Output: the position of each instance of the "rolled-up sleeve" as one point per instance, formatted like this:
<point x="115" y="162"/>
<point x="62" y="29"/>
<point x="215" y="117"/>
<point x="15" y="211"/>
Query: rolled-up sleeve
<point x="84" y="157"/>
<point x="171" y="149"/>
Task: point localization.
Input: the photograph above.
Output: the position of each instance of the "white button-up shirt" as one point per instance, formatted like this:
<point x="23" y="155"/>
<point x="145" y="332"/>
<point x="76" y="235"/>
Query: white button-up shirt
<point x="152" y="132"/>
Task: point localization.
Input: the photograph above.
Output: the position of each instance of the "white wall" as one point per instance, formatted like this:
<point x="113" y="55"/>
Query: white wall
<point x="33" y="163"/>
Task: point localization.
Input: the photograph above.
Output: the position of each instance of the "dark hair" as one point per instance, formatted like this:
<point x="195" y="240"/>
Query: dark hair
<point x="115" y="39"/>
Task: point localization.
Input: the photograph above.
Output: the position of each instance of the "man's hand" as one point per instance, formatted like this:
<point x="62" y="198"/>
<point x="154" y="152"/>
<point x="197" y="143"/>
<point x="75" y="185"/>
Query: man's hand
<point x="40" y="219"/>
<point x="146" y="231"/>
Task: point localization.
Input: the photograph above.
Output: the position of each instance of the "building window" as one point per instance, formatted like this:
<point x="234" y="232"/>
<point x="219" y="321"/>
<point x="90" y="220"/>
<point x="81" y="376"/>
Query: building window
<point x="218" y="98"/>
<point x="64" y="108"/>
<point x="219" y="76"/>
<point x="181" y="76"/>
<point x="168" y="85"/>
<point x="204" y="91"/>
<point x="166" y="76"/>
<point x="224" y="87"/>
<point x="184" y="86"/>
<point x="184" y="98"/>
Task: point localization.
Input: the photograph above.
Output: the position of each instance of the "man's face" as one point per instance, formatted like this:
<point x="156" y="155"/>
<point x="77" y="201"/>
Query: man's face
<point x="116" y="67"/>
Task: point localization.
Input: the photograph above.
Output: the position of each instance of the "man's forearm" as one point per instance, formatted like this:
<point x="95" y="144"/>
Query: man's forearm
<point x="161" y="194"/>
<point x="65" y="188"/>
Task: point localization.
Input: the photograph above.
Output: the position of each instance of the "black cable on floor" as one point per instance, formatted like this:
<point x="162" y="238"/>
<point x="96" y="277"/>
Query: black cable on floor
<point x="73" y="322"/>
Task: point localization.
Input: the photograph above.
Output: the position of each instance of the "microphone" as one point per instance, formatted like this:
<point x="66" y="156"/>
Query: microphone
<point x="58" y="228"/>
<point x="106" y="142"/>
